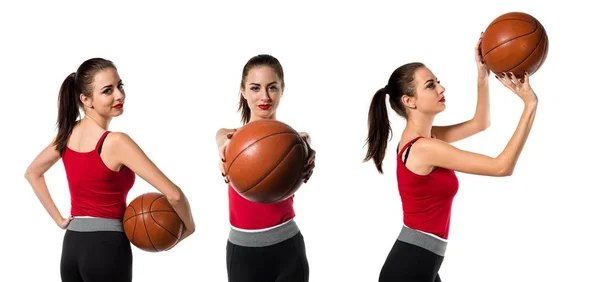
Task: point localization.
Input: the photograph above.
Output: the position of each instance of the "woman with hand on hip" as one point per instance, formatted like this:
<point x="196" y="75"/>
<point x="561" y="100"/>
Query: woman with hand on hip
<point x="100" y="166"/>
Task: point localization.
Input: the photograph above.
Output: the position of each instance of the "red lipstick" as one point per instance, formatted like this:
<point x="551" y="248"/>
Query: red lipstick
<point x="264" y="106"/>
<point x="119" y="106"/>
<point x="443" y="99"/>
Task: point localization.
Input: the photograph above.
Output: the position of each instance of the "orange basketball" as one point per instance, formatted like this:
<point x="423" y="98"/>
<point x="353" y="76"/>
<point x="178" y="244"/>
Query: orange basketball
<point x="514" y="42"/>
<point x="265" y="161"/>
<point x="151" y="224"/>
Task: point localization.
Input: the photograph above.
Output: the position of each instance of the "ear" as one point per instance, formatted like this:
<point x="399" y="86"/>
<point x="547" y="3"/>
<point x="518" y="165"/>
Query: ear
<point x="409" y="102"/>
<point x="87" y="102"/>
<point x="243" y="93"/>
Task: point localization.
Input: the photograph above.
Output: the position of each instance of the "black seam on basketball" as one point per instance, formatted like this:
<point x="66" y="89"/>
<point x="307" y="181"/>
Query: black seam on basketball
<point x="146" y="228"/>
<point x="545" y="48"/>
<point x="157" y="223"/>
<point x="528" y="55"/>
<point x="151" y="216"/>
<point x="511" y="39"/>
<point x="299" y="177"/>
<point x="273" y="134"/>
<point x="287" y="152"/>
<point x="134" y="225"/>
<point x="126" y="219"/>
<point x="148" y="212"/>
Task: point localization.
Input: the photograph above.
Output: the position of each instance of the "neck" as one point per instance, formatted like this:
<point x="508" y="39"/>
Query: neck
<point x="98" y="120"/>
<point x="255" y="118"/>
<point x="420" y="124"/>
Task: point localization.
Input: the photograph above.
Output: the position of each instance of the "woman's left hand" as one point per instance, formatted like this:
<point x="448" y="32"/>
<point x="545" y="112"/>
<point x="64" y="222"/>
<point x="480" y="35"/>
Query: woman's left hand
<point x="482" y="69"/>
<point x="310" y="163"/>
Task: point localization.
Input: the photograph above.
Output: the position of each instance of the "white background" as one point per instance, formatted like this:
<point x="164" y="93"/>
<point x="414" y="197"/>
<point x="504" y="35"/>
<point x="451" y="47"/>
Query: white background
<point x="181" y="65"/>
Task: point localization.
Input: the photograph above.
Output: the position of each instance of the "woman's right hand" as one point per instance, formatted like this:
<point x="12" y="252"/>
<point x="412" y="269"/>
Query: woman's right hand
<point x="519" y="86"/>
<point x="222" y="155"/>
<point x="64" y="222"/>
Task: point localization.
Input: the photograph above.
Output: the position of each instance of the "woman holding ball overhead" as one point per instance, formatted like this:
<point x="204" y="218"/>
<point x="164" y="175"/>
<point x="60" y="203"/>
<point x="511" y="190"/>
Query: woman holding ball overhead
<point x="101" y="168"/>
<point x="426" y="162"/>
<point x="264" y="243"/>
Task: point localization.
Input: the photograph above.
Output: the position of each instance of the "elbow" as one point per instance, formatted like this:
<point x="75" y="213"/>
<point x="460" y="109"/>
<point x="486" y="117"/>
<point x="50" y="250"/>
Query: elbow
<point x="484" y="124"/>
<point x="175" y="197"/>
<point x="30" y="175"/>
<point x="506" y="170"/>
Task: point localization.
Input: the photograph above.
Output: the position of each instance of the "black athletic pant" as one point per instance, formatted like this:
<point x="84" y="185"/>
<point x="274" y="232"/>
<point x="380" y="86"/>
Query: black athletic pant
<point x="409" y="263"/>
<point x="96" y="256"/>
<point x="282" y="262"/>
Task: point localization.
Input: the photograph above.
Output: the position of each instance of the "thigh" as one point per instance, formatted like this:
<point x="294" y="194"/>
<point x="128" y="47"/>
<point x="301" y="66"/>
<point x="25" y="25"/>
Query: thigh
<point x="293" y="262"/>
<point x="410" y="263"/>
<point x="247" y="264"/>
<point x="68" y="258"/>
<point x="107" y="257"/>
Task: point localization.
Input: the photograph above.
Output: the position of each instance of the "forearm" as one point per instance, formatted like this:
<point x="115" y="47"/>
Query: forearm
<point x="482" y="111"/>
<point x="38" y="183"/>
<point x="183" y="210"/>
<point x="515" y="146"/>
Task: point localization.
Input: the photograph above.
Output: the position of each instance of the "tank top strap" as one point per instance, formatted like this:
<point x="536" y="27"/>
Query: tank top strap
<point x="409" y="143"/>
<point x="101" y="141"/>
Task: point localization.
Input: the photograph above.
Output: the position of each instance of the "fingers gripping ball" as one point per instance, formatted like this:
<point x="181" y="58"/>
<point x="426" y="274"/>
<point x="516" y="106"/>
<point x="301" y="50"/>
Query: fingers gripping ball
<point x="514" y="42"/>
<point x="151" y="223"/>
<point x="265" y="161"/>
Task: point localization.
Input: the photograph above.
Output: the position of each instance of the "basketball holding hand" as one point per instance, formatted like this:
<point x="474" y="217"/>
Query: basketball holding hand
<point x="519" y="86"/>
<point x="308" y="168"/>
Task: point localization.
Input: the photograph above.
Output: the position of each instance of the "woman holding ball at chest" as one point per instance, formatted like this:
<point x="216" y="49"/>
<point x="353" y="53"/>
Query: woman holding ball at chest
<point x="264" y="244"/>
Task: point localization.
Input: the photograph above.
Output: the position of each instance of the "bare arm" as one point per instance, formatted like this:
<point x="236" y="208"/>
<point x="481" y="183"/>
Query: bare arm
<point x="131" y="155"/>
<point x="35" y="176"/>
<point x="481" y="119"/>
<point x="479" y="122"/>
<point x="441" y="154"/>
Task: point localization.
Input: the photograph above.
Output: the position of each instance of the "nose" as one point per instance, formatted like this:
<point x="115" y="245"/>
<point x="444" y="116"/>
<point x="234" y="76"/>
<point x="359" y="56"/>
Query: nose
<point x="119" y="94"/>
<point x="441" y="89"/>
<point x="264" y="95"/>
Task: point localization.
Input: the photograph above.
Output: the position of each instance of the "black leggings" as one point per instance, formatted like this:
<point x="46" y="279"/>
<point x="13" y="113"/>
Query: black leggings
<point x="96" y="256"/>
<point x="409" y="263"/>
<point x="285" y="261"/>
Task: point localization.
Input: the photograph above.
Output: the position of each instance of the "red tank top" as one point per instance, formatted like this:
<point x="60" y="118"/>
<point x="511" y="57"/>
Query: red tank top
<point x="250" y="215"/>
<point x="426" y="199"/>
<point x="95" y="189"/>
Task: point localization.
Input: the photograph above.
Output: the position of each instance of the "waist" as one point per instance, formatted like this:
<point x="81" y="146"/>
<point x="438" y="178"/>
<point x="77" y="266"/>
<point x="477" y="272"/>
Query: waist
<point x="94" y="224"/>
<point x="263" y="237"/>
<point x="424" y="240"/>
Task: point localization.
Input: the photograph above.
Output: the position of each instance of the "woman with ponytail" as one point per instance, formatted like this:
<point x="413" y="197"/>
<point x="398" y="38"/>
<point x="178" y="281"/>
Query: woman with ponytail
<point x="101" y="167"/>
<point x="426" y="162"/>
<point x="264" y="244"/>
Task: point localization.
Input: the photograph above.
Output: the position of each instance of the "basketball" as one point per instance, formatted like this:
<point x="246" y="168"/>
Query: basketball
<point x="151" y="224"/>
<point x="514" y="42"/>
<point x="265" y="160"/>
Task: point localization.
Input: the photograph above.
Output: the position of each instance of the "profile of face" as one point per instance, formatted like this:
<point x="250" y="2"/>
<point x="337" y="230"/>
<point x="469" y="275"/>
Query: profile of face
<point x="108" y="94"/>
<point x="262" y="90"/>
<point x="429" y="93"/>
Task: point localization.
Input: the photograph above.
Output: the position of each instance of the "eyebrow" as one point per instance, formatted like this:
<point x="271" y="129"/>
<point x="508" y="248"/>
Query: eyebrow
<point x="258" y="84"/>
<point x="108" y="86"/>
<point x="428" y="81"/>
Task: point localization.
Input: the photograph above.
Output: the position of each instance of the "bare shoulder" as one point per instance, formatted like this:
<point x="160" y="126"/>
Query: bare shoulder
<point x="118" y="140"/>
<point x="430" y="146"/>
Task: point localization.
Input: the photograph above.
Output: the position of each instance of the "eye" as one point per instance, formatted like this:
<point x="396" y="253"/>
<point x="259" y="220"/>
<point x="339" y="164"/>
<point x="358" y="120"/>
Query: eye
<point x="107" y="90"/>
<point x="273" y="88"/>
<point x="121" y="86"/>
<point x="254" y="88"/>
<point x="430" y="85"/>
